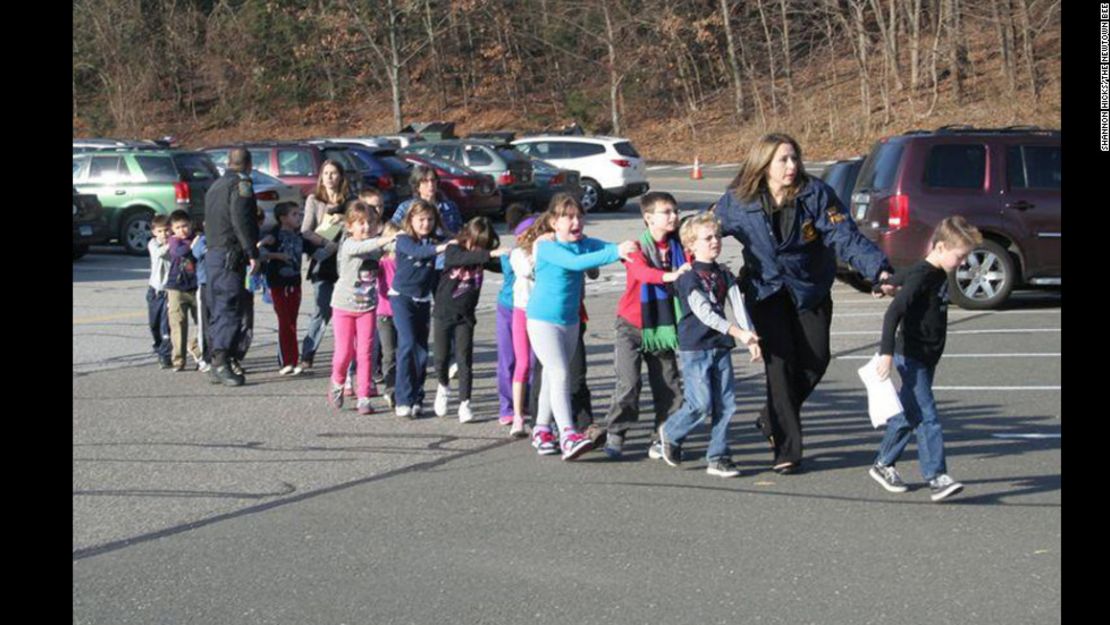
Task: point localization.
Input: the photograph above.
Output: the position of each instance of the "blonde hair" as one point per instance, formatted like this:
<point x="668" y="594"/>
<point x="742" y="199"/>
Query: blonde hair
<point x="357" y="210"/>
<point x="752" y="177"/>
<point x="688" y="232"/>
<point x="539" y="227"/>
<point x="954" y="231"/>
<point x="390" y="229"/>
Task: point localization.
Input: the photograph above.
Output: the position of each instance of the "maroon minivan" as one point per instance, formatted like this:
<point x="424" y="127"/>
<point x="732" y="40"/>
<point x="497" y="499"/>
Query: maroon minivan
<point x="295" y="164"/>
<point x="1004" y="181"/>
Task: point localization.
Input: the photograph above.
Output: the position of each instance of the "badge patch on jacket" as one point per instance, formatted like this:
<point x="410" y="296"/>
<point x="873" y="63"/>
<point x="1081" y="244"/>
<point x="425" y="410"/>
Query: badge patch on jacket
<point x="836" y="216"/>
<point x="245" y="189"/>
<point x="809" y="232"/>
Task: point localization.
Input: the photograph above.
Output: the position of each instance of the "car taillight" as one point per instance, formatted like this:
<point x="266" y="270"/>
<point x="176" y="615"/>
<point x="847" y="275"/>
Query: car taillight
<point x="466" y="184"/>
<point x="385" y="183"/>
<point x="622" y="162"/>
<point x="899" y="208"/>
<point x="181" y="192"/>
<point x="266" y="196"/>
<point x="506" y="178"/>
<point x="558" y="180"/>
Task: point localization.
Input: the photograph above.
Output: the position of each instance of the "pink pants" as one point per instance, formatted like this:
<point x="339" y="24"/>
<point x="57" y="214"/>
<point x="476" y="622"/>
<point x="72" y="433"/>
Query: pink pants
<point x="353" y="335"/>
<point x="522" y="350"/>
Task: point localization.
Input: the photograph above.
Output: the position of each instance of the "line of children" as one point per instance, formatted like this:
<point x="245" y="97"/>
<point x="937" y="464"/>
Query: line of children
<point x="552" y="254"/>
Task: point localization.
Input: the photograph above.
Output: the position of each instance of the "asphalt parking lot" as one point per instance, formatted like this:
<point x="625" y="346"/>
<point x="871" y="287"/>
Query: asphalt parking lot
<point x="195" y="503"/>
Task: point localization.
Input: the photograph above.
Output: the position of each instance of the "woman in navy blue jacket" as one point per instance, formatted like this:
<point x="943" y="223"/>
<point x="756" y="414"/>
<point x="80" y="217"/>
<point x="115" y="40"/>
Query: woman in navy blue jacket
<point x="792" y="228"/>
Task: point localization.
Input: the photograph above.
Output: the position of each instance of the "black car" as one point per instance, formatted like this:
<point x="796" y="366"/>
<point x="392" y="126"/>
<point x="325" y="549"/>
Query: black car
<point x="382" y="169"/>
<point x="90" y="226"/>
<point x="841" y="176"/>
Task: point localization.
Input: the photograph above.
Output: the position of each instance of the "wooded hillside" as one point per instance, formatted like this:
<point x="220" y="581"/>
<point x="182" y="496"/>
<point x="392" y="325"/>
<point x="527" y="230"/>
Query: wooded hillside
<point x="678" y="77"/>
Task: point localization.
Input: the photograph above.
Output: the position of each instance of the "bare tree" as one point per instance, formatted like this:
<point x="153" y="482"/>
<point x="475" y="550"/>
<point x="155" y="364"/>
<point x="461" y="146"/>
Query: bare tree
<point x="737" y="83"/>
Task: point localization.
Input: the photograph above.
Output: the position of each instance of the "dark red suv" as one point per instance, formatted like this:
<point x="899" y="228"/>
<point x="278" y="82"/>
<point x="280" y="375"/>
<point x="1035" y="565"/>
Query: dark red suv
<point x="1005" y="181"/>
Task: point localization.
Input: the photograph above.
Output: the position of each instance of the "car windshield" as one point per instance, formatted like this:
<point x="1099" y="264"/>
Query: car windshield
<point x="880" y="167"/>
<point x="511" y="154"/>
<point x="543" y="166"/>
<point x="196" y="166"/>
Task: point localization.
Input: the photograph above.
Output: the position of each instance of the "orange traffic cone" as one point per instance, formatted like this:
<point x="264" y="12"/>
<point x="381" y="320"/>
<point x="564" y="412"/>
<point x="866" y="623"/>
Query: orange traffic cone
<point x="696" y="173"/>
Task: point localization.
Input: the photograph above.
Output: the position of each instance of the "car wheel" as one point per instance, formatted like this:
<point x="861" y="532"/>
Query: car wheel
<point x="591" y="195"/>
<point x="135" y="232"/>
<point x="985" y="279"/>
<point x="79" y="251"/>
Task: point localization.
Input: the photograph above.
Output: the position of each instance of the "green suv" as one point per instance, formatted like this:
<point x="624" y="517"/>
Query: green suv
<point x="135" y="184"/>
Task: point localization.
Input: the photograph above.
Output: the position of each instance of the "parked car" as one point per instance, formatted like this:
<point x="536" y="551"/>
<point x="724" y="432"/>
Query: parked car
<point x="269" y="192"/>
<point x="294" y="163"/>
<point x="841" y="176"/>
<point x="403" y="139"/>
<point x="551" y="180"/>
<point x="80" y="146"/>
<point x="89" y="225"/>
<point x="366" y="141"/>
<point x="381" y="168"/>
<point x="1005" y="181"/>
<point x="133" y="185"/>
<point x="612" y="170"/>
<point x="475" y="193"/>
<point x="511" y="169"/>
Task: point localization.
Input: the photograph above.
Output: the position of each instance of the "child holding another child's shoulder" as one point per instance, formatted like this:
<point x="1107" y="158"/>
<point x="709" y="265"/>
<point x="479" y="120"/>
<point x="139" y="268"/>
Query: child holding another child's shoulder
<point x="705" y="342"/>
<point x="920" y="308"/>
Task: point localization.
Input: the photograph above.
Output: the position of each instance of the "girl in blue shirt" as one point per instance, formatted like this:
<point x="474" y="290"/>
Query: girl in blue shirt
<point x="410" y="296"/>
<point x="562" y="256"/>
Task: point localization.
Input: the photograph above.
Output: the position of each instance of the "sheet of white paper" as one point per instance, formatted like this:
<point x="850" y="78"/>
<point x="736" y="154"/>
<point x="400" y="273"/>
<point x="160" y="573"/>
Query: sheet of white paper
<point x="882" y="397"/>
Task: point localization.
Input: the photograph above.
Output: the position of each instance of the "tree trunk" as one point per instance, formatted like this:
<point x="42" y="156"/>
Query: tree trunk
<point x="737" y="82"/>
<point x="614" y="79"/>
<point x="1028" y="52"/>
<point x="770" y="57"/>
<point x="957" y="50"/>
<point x="395" y="68"/>
<point x="913" y="16"/>
<point x="436" y="67"/>
<point x="786" y="71"/>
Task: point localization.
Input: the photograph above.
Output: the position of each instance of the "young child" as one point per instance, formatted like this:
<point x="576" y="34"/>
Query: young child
<point x="385" y="330"/>
<point x="204" y="312"/>
<point x="553" y="320"/>
<point x="705" y="342"/>
<point x="457" y="295"/>
<point x="517" y="220"/>
<point x="921" y="309"/>
<point x="411" y="299"/>
<point x="181" y="288"/>
<point x="156" y="310"/>
<point x="285" y="247"/>
<point x="353" y="302"/>
<point x="646" y="325"/>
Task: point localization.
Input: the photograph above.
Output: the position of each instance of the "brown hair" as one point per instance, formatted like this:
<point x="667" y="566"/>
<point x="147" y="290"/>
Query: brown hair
<point x="954" y="231"/>
<point x="651" y="199"/>
<point x="321" y="191"/>
<point x="688" y="232"/>
<point x="160" y="221"/>
<point x="421" y="172"/>
<point x="179" y="216"/>
<point x="528" y="238"/>
<point x="419" y="206"/>
<point x="478" y="233"/>
<point x="752" y="177"/>
<point x="358" y="210"/>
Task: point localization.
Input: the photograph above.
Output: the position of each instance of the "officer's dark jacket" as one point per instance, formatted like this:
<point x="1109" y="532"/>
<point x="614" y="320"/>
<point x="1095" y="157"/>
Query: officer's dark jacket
<point x="230" y="221"/>
<point x="805" y="263"/>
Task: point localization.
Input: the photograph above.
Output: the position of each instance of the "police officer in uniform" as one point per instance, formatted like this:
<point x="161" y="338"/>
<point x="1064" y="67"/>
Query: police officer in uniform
<point x="232" y="231"/>
<point x="793" y="228"/>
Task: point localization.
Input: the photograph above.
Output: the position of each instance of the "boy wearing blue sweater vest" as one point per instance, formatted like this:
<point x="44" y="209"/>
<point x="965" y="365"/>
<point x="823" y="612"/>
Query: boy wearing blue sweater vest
<point x="705" y="342"/>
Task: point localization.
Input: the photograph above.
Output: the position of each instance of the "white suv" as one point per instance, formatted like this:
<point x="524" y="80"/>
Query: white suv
<point x="612" y="170"/>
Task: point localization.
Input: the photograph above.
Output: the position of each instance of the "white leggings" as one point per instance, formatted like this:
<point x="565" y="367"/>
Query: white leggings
<point x="553" y="344"/>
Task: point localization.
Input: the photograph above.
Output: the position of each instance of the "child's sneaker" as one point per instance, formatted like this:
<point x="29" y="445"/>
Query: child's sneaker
<point x="505" y="419"/>
<point x="666" y="449"/>
<point x="517" y="429"/>
<point x="404" y="411"/>
<point x="364" y="406"/>
<point x="335" y="395"/>
<point x="544" y="442"/>
<point x="465" y="414"/>
<point x="389" y="400"/>
<point x="655" y="451"/>
<point x="203" y="366"/>
<point x="943" y="487"/>
<point x="349" y="390"/>
<point x="440" y="405"/>
<point x="286" y="370"/>
<point x="722" y="467"/>
<point x="575" y="444"/>
<point x="888" y="478"/>
<point x="164" y="362"/>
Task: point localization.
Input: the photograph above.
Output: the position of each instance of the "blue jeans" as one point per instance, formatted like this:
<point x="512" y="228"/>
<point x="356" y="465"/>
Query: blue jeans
<point x="411" y="318"/>
<point x="707" y="380"/>
<point x="318" y="325"/>
<point x="919" y="417"/>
